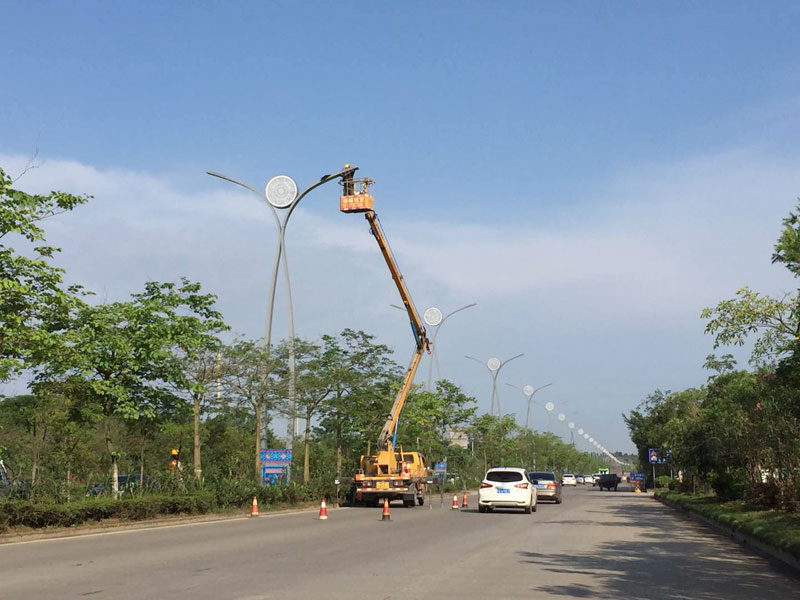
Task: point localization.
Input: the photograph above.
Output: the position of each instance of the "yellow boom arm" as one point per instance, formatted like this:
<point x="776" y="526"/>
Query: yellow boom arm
<point x="352" y="201"/>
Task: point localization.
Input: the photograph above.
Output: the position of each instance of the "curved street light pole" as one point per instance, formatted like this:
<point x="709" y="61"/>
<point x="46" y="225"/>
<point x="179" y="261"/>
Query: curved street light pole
<point x="281" y="257"/>
<point x="494" y="365"/>
<point x="435" y="356"/>
<point x="529" y="392"/>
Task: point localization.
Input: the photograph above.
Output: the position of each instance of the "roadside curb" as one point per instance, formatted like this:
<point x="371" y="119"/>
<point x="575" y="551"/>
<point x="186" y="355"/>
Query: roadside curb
<point x="742" y="538"/>
<point x="30" y="535"/>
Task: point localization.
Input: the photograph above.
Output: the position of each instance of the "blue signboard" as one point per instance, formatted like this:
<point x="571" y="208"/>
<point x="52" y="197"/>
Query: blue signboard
<point x="275" y="464"/>
<point x="658" y="456"/>
<point x="440" y="467"/>
<point x="637" y="476"/>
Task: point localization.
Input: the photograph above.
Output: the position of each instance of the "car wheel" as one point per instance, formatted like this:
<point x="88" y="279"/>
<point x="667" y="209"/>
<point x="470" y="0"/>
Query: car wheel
<point x="558" y="500"/>
<point x="420" y="500"/>
<point x="481" y="509"/>
<point x="533" y="508"/>
<point x="527" y="509"/>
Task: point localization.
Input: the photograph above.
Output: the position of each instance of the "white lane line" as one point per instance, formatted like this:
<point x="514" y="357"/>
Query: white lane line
<point x="155" y="526"/>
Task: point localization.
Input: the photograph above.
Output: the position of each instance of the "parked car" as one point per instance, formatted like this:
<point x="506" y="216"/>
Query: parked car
<point x="588" y="479"/>
<point x="568" y="479"/>
<point x="506" y="487"/>
<point x="579" y="479"/>
<point x="608" y="481"/>
<point x="128" y="484"/>
<point x="546" y="484"/>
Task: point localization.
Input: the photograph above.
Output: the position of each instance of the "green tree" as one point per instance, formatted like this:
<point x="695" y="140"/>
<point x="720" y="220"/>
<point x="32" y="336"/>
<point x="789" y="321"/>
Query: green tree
<point x="128" y="355"/>
<point x="35" y="305"/>
<point x="252" y="377"/>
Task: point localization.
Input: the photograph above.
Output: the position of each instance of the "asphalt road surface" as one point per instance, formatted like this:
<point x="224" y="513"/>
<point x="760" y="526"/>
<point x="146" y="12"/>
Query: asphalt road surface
<point x="594" y="545"/>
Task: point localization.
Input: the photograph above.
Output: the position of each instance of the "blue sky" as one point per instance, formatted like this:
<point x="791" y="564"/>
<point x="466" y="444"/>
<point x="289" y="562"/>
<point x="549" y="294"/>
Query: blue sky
<point x="591" y="175"/>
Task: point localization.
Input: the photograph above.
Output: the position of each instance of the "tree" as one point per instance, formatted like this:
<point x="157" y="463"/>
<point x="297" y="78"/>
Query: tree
<point x="360" y="371"/>
<point x="251" y="377"/>
<point x="199" y="373"/>
<point x="34" y="303"/>
<point x="128" y="355"/>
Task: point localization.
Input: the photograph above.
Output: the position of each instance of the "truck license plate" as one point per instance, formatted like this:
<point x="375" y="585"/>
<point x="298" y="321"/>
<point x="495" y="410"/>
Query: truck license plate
<point x="383" y="485"/>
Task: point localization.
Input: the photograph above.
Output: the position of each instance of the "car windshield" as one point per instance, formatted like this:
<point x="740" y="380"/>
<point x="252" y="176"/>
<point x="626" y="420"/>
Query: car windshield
<point x="543" y="475"/>
<point x="504" y="476"/>
<point x="568" y="475"/>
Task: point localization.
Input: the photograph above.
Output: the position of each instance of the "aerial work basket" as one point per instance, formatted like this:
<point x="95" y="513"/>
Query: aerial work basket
<point x="356" y="201"/>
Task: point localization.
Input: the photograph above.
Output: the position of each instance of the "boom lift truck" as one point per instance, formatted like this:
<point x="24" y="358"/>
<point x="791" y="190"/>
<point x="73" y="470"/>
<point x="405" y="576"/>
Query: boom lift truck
<point x="392" y="473"/>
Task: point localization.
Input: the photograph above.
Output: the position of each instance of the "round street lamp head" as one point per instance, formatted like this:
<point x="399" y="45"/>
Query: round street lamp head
<point x="528" y="390"/>
<point x="586" y="436"/>
<point x="580" y="431"/>
<point x="561" y="417"/>
<point x="591" y="440"/>
<point x="281" y="191"/>
<point x="549" y="407"/>
<point x="571" y="425"/>
<point x="493" y="364"/>
<point x="432" y="316"/>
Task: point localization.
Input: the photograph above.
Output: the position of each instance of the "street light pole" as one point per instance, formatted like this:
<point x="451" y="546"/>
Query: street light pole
<point x="529" y="391"/>
<point x="494" y="365"/>
<point x="281" y="193"/>
<point x="434" y="319"/>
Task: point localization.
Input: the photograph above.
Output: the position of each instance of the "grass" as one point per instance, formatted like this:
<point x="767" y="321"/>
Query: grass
<point x="776" y="528"/>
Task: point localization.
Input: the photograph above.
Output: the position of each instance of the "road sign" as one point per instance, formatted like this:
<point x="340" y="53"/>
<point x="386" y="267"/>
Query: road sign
<point x="275" y="463"/>
<point x="637" y="476"/>
<point x="658" y="456"/>
<point x="440" y="467"/>
<point x="652" y="454"/>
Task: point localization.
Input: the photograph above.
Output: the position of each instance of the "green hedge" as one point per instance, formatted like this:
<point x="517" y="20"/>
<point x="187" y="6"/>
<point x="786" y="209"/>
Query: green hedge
<point x="777" y="528"/>
<point x="221" y="494"/>
<point x="18" y="513"/>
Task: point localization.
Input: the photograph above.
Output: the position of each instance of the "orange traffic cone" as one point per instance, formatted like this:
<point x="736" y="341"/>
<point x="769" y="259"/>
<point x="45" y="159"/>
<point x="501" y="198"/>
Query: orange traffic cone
<point x="455" y="502"/>
<point x="385" y="516"/>
<point x="323" y="511"/>
<point x="464" y="500"/>
<point x="254" y="507"/>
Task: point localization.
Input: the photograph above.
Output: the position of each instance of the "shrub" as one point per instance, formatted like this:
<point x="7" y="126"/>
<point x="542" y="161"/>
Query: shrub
<point x="728" y="485"/>
<point x="664" y="481"/>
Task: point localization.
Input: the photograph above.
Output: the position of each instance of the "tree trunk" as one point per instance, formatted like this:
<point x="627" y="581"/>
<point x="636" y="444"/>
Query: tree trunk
<point x="141" y="463"/>
<point x="198" y="471"/>
<point x="306" y="449"/>
<point x="258" y="444"/>
<point x="114" y="465"/>
<point x="338" y="445"/>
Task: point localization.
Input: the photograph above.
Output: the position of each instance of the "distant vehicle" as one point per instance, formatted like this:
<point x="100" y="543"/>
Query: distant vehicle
<point x="506" y="487"/>
<point x="588" y="479"/>
<point x="127" y="485"/>
<point x="579" y="479"/>
<point x="608" y="481"/>
<point x="568" y="479"/>
<point x="546" y="484"/>
<point x="5" y="480"/>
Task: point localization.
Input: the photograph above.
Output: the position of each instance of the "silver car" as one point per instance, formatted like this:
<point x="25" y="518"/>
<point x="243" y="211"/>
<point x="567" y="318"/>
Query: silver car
<point x="547" y="485"/>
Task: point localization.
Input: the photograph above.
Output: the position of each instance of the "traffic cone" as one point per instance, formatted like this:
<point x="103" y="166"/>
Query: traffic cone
<point x="323" y="511"/>
<point x="254" y="507"/>
<point x="464" y="501"/>
<point x="455" y="502"/>
<point x="385" y="516"/>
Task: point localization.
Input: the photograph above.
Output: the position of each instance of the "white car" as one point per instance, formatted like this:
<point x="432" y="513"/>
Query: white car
<point x="588" y="479"/>
<point x="568" y="479"/>
<point x="506" y="487"/>
<point x="579" y="479"/>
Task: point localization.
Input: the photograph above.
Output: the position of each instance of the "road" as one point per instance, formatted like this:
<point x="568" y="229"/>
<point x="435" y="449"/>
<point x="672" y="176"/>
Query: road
<point x="594" y="545"/>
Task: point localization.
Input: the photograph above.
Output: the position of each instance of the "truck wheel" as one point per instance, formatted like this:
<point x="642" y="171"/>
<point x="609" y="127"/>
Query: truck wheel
<point x="408" y="503"/>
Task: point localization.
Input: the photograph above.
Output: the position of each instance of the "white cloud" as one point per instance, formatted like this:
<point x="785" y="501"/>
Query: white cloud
<point x="602" y="296"/>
